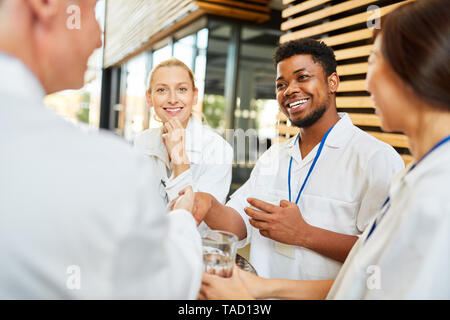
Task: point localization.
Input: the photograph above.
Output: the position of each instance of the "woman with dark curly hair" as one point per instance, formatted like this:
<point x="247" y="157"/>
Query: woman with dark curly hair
<point x="403" y="253"/>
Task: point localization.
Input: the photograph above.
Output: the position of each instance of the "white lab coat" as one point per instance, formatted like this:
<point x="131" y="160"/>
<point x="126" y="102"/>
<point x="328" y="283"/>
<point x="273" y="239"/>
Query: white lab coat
<point x="348" y="185"/>
<point x="80" y="214"/>
<point x="407" y="256"/>
<point x="211" y="159"/>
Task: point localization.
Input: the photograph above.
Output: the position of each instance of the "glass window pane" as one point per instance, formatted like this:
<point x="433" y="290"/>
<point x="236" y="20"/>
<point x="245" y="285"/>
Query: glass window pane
<point x="202" y="39"/>
<point x="184" y="50"/>
<point x="256" y="86"/>
<point x="200" y="67"/>
<point x="161" y="55"/>
<point x="214" y="98"/>
<point x="135" y="104"/>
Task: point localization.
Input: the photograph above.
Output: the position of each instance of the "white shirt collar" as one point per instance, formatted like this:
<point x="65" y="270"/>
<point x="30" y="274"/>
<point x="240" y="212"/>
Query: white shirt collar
<point x="337" y="138"/>
<point x="439" y="157"/>
<point x="194" y="135"/>
<point x="341" y="132"/>
<point x="20" y="82"/>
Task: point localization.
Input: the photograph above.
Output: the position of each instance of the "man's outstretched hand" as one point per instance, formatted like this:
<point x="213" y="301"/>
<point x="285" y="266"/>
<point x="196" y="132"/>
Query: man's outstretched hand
<point x="185" y="200"/>
<point x="202" y="204"/>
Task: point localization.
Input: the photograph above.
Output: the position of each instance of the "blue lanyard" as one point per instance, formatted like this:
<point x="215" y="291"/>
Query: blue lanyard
<point x="440" y="143"/>
<point x="319" y="151"/>
<point x="386" y="205"/>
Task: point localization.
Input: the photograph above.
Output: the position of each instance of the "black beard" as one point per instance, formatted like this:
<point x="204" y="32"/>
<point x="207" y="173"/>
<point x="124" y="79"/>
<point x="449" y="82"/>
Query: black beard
<point x="311" y="119"/>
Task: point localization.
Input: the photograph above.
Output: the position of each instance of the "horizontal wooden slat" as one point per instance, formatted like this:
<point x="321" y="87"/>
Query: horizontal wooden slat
<point x="281" y="117"/>
<point x="397" y="140"/>
<point x="394" y="139"/>
<point x="279" y="139"/>
<point x="264" y="2"/>
<point x="352" y="85"/>
<point x="350" y="69"/>
<point x="351" y="53"/>
<point x="242" y="4"/>
<point x="300" y="7"/>
<point x="407" y="158"/>
<point x="354" y="102"/>
<point x="235" y="13"/>
<point x="285" y="129"/>
<point x="347" y="37"/>
<point x="361" y="119"/>
<point x="338" y="24"/>
<point x="326" y="12"/>
<point x="286" y="2"/>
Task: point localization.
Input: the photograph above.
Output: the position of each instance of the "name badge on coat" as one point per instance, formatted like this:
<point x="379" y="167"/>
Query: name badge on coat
<point x="285" y="249"/>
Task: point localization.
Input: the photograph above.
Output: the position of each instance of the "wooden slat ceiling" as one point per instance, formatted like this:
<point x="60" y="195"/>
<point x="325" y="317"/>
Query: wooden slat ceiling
<point x="133" y="26"/>
<point x="342" y="25"/>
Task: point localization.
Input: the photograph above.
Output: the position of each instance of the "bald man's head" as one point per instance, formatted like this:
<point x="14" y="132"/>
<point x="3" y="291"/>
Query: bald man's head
<point x="54" y="38"/>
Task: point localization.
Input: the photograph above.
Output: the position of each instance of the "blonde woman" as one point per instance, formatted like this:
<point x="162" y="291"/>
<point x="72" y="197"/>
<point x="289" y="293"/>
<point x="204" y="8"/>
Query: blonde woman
<point x="187" y="152"/>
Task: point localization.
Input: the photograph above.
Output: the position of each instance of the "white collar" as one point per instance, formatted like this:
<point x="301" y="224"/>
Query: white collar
<point x="337" y="138"/>
<point x="20" y="81"/>
<point x="438" y="158"/>
<point x="194" y="135"/>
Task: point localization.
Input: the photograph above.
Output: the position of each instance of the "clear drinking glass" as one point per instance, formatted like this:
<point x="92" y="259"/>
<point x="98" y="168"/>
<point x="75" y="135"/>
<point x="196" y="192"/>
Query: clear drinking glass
<point x="219" y="252"/>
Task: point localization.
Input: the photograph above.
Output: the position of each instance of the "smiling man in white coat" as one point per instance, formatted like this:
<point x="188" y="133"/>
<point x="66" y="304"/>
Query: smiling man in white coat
<point x="80" y="214"/>
<point x="317" y="190"/>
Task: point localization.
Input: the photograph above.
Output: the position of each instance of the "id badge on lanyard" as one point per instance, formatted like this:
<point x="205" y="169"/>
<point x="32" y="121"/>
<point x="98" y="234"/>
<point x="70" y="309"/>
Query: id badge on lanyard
<point x="386" y="206"/>
<point x="287" y="249"/>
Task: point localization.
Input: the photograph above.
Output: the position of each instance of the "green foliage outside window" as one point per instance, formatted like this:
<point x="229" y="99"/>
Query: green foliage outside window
<point x="214" y="110"/>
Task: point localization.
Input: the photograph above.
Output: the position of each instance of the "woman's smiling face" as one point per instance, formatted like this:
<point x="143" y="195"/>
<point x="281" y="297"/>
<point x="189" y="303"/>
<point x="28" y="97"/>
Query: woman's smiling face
<point x="172" y="94"/>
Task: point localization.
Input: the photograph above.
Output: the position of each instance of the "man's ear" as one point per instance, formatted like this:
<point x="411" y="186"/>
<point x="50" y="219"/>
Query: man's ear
<point x="44" y="10"/>
<point x="333" y="82"/>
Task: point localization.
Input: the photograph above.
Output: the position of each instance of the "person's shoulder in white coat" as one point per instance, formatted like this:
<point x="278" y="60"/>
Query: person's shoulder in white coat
<point x="72" y="199"/>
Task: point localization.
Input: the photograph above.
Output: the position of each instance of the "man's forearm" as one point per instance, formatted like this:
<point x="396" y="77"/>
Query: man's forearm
<point x="221" y="217"/>
<point x="328" y="243"/>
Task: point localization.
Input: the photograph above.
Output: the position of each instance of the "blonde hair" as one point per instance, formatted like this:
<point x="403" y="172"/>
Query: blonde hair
<point x="173" y="62"/>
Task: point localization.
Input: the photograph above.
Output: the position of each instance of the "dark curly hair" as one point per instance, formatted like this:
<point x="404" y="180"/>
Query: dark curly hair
<point x="318" y="50"/>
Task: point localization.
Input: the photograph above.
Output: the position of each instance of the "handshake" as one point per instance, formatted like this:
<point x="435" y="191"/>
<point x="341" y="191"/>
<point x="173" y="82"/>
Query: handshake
<point x="198" y="203"/>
